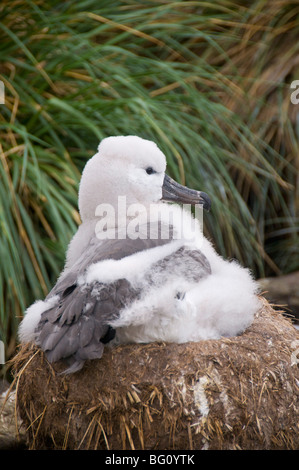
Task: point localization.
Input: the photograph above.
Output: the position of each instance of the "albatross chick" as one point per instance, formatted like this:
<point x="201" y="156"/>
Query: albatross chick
<point x="139" y="268"/>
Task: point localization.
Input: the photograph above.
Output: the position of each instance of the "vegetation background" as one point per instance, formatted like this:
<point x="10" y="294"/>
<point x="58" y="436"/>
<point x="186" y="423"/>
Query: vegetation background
<point x="209" y="82"/>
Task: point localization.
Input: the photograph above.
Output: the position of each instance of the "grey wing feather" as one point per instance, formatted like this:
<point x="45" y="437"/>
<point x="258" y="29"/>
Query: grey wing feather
<point x="74" y="329"/>
<point x="191" y="265"/>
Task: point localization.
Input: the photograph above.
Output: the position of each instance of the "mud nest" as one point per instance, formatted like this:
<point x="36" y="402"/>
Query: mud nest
<point x="237" y="393"/>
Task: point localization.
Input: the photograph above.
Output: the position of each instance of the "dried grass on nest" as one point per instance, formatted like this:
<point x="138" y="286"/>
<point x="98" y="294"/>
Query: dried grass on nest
<point x="237" y="393"/>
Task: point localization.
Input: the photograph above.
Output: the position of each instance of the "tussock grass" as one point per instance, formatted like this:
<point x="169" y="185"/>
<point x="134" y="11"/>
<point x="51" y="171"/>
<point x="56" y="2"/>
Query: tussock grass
<point x="209" y="83"/>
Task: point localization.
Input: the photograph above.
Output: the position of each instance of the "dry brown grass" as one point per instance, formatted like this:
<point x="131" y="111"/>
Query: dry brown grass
<point x="233" y="393"/>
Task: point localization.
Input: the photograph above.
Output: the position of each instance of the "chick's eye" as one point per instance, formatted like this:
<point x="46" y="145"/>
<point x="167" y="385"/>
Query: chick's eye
<point x="150" y="170"/>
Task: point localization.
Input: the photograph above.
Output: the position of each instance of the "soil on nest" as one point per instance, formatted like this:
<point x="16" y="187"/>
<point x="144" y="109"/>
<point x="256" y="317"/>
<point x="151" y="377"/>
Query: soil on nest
<point x="232" y="393"/>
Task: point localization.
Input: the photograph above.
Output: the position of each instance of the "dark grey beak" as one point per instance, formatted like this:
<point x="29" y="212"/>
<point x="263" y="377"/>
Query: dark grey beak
<point x="175" y="192"/>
